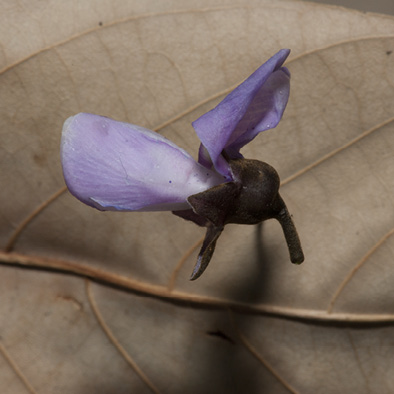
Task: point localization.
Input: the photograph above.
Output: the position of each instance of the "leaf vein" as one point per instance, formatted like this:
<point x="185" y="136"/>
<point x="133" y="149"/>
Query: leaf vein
<point x="115" y="341"/>
<point x="334" y="152"/>
<point x="17" y="370"/>
<point x="162" y="292"/>
<point x="19" y="229"/>
<point x="251" y="349"/>
<point x="356" y="268"/>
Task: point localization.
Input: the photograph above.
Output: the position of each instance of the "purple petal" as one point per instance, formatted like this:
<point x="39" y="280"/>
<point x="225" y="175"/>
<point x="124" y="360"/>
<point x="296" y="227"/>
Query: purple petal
<point x="113" y="165"/>
<point x="264" y="112"/>
<point x="254" y="106"/>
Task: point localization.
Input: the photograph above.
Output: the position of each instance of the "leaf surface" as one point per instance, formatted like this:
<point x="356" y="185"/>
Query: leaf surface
<point x="101" y="302"/>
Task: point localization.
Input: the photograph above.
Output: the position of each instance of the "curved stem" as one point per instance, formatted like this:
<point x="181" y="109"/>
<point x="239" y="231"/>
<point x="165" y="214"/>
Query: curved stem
<point x="290" y="232"/>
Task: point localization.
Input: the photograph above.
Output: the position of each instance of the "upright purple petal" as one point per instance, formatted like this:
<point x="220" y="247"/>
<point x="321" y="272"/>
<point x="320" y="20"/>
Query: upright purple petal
<point x="113" y="165"/>
<point x="255" y="105"/>
<point x="264" y="112"/>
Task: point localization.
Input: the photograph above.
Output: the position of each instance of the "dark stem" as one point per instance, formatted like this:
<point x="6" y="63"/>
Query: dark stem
<point x="290" y="232"/>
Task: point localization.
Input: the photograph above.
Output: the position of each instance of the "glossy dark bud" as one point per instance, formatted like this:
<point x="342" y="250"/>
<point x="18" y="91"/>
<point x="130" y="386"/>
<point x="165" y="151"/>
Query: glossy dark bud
<point x="253" y="196"/>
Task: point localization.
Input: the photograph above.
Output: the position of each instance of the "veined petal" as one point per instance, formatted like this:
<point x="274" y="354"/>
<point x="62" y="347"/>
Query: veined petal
<point x="113" y="165"/>
<point x="264" y="112"/>
<point x="255" y="105"/>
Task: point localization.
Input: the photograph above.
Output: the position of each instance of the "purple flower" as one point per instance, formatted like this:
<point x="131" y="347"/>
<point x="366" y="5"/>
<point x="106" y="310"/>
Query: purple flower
<point x="113" y="165"/>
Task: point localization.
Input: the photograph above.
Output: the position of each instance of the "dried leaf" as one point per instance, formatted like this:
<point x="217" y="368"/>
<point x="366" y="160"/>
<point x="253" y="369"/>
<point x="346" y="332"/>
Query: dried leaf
<point x="101" y="302"/>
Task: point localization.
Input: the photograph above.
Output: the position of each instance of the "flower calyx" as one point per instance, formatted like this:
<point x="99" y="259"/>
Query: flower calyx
<point x="252" y="197"/>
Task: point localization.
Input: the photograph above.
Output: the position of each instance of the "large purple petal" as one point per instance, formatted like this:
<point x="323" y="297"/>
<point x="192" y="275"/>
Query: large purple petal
<point x="112" y="165"/>
<point x="264" y="112"/>
<point x="254" y="106"/>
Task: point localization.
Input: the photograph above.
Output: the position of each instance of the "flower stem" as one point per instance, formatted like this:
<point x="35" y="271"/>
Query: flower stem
<point x="290" y="232"/>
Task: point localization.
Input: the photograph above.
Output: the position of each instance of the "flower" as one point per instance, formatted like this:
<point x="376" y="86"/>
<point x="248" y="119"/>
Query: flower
<point x="112" y="165"/>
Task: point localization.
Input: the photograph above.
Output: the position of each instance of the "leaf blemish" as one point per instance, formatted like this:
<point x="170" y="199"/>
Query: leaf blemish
<point x="75" y="303"/>
<point x="40" y="159"/>
<point x="220" y="334"/>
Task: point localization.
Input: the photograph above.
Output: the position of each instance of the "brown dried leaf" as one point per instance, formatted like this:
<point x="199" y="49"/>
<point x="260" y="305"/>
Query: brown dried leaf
<point x="253" y="323"/>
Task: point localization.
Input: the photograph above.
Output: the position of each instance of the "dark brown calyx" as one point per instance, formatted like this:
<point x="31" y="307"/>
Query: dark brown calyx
<point x="253" y="196"/>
